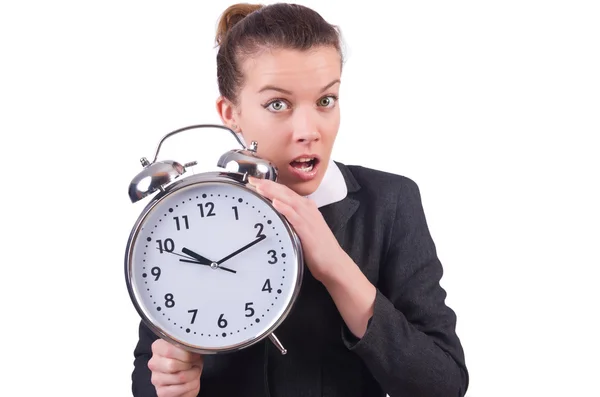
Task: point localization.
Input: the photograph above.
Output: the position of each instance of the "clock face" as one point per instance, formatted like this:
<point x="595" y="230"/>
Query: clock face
<point x="213" y="266"/>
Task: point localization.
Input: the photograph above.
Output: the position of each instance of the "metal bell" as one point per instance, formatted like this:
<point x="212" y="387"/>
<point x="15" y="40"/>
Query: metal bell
<point x="153" y="177"/>
<point x="247" y="163"/>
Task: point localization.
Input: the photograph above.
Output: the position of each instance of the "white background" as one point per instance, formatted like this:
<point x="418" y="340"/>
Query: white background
<point x="493" y="108"/>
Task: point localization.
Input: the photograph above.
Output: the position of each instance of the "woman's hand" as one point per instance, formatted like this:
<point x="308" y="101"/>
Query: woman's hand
<point x="175" y="372"/>
<point x="322" y="251"/>
<point x="352" y="292"/>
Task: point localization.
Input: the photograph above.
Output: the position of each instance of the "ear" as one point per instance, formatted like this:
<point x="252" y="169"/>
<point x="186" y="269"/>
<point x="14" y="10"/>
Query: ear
<point x="228" y="113"/>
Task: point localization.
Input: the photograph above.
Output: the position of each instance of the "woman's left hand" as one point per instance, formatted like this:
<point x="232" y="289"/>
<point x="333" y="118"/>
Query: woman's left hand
<point x="322" y="251"/>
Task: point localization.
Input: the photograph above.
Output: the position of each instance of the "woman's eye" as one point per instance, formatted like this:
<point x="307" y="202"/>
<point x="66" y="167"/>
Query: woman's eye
<point x="327" y="101"/>
<point x="277" y="106"/>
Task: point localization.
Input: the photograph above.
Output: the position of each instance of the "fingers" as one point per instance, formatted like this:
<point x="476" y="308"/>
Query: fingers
<point x="280" y="192"/>
<point x="167" y="365"/>
<point x="169" y="359"/>
<point x="163" y="348"/>
<point x="160" y="379"/>
<point x="189" y="389"/>
<point x="286" y="210"/>
<point x="175" y="371"/>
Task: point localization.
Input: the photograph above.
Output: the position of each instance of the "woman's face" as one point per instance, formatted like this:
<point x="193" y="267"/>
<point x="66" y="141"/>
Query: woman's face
<point x="288" y="104"/>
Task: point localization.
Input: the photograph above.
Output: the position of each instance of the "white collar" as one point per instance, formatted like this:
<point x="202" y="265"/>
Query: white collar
<point x="332" y="188"/>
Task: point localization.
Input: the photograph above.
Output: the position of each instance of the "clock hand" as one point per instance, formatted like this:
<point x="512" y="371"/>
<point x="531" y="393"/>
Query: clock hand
<point x="196" y="256"/>
<point x="183" y="256"/>
<point x="208" y="264"/>
<point x="202" y="260"/>
<point x="258" y="240"/>
<point x="188" y="258"/>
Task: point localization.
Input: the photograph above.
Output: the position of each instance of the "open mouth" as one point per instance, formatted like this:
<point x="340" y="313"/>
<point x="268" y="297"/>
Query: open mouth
<point x="305" y="164"/>
<point x="305" y="168"/>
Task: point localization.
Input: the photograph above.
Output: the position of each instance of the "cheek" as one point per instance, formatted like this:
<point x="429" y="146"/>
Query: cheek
<point x="331" y="127"/>
<point x="270" y="134"/>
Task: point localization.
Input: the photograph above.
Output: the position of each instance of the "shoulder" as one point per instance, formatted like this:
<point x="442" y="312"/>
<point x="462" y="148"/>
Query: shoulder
<point x="390" y="210"/>
<point x="380" y="186"/>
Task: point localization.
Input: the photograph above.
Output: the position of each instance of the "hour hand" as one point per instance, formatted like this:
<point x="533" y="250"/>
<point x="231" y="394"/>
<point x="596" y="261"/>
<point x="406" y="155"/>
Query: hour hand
<point x="199" y="259"/>
<point x="196" y="256"/>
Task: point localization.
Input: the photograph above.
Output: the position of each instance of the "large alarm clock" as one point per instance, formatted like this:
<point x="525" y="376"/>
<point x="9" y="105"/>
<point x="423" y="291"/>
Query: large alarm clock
<point x="210" y="265"/>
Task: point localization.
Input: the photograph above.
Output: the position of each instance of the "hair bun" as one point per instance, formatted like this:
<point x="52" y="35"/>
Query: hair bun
<point x="232" y="15"/>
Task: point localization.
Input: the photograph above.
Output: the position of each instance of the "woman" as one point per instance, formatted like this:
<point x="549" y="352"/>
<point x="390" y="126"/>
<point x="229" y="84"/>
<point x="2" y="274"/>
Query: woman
<point x="370" y="319"/>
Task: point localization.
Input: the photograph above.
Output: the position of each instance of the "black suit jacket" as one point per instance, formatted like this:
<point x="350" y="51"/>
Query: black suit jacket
<point x="410" y="347"/>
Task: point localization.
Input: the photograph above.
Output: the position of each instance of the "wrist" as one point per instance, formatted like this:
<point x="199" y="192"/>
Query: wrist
<point x="332" y="274"/>
<point x="352" y="292"/>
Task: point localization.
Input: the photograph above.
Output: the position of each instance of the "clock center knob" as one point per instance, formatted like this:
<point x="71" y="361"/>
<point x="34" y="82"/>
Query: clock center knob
<point x="214" y="265"/>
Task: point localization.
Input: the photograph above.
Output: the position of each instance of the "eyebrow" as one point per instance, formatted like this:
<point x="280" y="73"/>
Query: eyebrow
<point x="284" y="91"/>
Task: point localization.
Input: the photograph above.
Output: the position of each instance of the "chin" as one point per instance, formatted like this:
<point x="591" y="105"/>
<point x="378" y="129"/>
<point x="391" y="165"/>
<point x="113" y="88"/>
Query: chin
<point x="303" y="188"/>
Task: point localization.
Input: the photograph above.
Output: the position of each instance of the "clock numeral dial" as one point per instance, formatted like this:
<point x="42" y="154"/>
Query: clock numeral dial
<point x="194" y="313"/>
<point x="267" y="286"/>
<point x="210" y="206"/>
<point x="155" y="272"/>
<point x="249" y="309"/>
<point x="260" y="227"/>
<point x="245" y="238"/>
<point x="185" y="219"/>
<point x="273" y="254"/>
<point x="169" y="301"/>
<point x="168" y="245"/>
<point x="222" y="323"/>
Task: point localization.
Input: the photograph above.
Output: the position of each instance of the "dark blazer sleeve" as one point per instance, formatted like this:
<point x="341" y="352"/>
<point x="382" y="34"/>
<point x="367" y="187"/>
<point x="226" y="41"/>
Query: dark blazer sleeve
<point x="141" y="384"/>
<point x="410" y="345"/>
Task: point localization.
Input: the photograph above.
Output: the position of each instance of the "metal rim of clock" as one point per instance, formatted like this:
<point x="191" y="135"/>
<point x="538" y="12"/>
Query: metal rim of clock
<point x="210" y="177"/>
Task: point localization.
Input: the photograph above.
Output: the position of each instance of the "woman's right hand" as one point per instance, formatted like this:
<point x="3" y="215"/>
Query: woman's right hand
<point x="175" y="372"/>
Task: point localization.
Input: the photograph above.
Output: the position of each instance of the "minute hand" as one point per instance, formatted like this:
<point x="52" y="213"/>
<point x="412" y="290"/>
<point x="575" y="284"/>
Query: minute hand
<point x="245" y="247"/>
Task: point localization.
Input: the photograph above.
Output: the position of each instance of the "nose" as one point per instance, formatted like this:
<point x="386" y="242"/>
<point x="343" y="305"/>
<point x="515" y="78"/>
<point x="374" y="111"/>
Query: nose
<point x="305" y="125"/>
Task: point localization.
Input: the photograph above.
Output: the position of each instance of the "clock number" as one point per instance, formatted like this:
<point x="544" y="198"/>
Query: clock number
<point x="155" y="272"/>
<point x="194" y="311"/>
<point x="169" y="245"/>
<point x="210" y="211"/>
<point x="273" y="256"/>
<point x="267" y="286"/>
<point x="185" y="218"/>
<point x="260" y="227"/>
<point x="237" y="218"/>
<point x="169" y="302"/>
<point x="250" y="309"/>
<point x="222" y="323"/>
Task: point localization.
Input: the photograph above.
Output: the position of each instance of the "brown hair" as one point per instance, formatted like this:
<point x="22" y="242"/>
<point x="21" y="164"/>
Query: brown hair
<point x="244" y="29"/>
